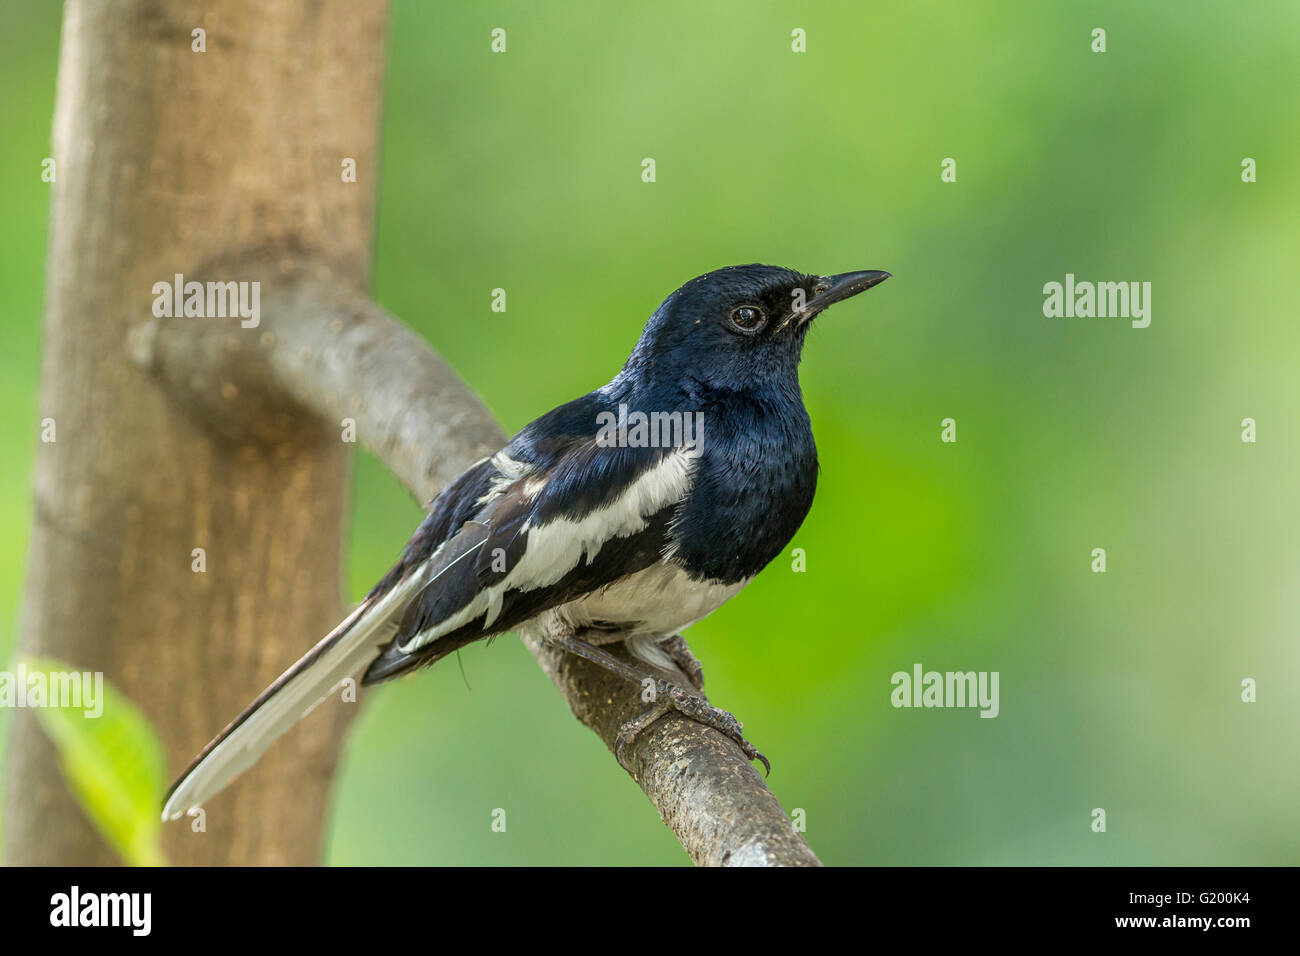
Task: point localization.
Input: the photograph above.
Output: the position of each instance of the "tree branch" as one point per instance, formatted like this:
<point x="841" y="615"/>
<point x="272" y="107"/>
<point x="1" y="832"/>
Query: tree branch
<point x="325" y="350"/>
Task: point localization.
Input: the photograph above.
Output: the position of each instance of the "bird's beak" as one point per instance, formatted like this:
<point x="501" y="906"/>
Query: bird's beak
<point x="832" y="289"/>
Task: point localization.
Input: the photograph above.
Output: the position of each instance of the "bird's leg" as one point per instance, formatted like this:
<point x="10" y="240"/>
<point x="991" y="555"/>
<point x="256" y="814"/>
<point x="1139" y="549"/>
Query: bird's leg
<point x="668" y="696"/>
<point x="676" y="648"/>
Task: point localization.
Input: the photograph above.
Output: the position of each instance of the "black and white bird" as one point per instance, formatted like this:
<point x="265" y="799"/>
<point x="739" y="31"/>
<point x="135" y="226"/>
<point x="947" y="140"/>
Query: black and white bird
<point x="625" y="515"/>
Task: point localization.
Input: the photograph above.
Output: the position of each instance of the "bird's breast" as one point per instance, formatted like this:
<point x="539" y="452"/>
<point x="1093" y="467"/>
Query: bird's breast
<point x="752" y="487"/>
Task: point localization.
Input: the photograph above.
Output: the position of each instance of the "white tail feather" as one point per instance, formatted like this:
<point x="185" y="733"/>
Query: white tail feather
<point x="339" y="655"/>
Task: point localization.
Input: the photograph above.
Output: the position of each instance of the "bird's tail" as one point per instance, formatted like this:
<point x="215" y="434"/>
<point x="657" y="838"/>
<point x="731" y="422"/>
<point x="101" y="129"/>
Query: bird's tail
<point x="344" y="651"/>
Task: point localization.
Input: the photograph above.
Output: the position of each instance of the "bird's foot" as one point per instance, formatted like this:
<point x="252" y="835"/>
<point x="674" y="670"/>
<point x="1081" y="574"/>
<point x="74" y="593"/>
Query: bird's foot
<point x="670" y="697"/>
<point x="677" y="648"/>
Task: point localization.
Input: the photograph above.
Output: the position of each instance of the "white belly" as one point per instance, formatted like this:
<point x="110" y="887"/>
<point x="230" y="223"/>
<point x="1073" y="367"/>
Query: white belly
<point x="655" y="604"/>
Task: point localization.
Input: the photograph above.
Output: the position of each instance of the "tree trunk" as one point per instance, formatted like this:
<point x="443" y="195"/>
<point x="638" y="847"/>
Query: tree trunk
<point x="175" y="161"/>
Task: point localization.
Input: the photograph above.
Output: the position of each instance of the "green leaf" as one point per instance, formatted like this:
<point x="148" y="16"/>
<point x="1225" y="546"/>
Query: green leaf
<point x="114" y="766"/>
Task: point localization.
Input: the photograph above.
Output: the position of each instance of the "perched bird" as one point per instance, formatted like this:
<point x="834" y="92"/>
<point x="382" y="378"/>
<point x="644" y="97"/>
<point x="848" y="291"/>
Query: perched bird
<point x="625" y="515"/>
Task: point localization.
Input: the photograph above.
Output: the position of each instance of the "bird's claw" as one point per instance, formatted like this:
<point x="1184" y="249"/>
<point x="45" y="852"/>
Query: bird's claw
<point x="680" y="652"/>
<point x="670" y="697"/>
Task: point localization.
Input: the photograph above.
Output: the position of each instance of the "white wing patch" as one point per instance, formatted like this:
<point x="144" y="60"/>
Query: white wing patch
<point x="555" y="548"/>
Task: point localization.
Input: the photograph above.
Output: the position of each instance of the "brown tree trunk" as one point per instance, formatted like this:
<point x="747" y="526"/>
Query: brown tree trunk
<point x="174" y="161"/>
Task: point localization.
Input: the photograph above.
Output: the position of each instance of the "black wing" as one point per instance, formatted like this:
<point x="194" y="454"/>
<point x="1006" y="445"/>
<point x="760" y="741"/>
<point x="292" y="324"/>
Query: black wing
<point x="553" y="516"/>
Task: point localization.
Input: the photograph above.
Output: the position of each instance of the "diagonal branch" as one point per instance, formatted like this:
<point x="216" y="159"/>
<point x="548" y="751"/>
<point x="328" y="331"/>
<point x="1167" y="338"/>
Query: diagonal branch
<point x="323" y="350"/>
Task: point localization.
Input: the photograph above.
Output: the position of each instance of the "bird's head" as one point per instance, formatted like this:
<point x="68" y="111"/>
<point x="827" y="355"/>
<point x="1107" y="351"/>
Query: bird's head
<point x="739" y="327"/>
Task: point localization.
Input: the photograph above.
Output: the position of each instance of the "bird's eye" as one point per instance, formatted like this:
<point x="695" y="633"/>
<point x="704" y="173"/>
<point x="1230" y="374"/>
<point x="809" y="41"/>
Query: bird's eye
<point x="747" y="319"/>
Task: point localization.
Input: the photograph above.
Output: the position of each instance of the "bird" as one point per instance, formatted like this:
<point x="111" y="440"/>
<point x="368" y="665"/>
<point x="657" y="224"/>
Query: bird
<point x="625" y="515"/>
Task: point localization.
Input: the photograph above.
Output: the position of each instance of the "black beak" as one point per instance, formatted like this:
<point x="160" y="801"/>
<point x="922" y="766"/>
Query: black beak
<point x="832" y="289"/>
<point x="828" y="290"/>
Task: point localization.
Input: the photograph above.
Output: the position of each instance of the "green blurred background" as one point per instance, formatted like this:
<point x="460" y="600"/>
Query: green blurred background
<point x="1118" y="690"/>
